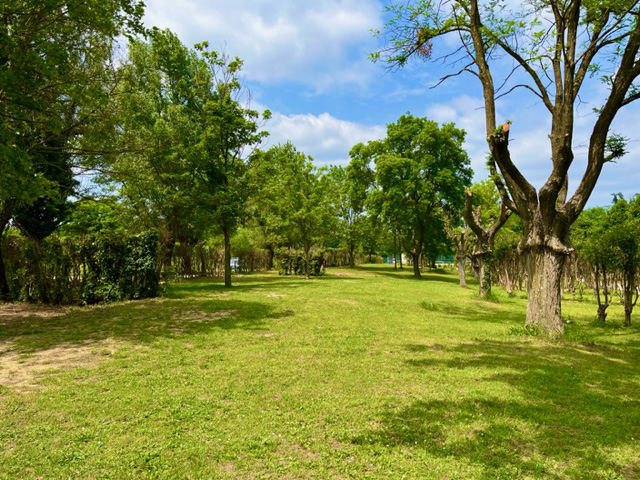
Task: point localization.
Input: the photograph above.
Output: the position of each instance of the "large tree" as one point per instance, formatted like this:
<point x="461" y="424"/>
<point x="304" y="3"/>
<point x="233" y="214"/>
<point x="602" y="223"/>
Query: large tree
<point x="298" y="210"/>
<point x="56" y="79"/>
<point x="419" y="167"/>
<point x="554" y="47"/>
<point x="159" y="110"/>
<point x="230" y="131"/>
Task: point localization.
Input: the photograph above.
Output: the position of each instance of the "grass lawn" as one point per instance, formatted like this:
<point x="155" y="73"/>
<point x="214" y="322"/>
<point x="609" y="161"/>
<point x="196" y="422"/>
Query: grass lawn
<point x="363" y="373"/>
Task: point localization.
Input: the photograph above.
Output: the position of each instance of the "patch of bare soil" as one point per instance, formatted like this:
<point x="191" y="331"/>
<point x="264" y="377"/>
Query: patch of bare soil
<point x="21" y="373"/>
<point x="11" y="312"/>
<point x="274" y="295"/>
<point x="202" y="316"/>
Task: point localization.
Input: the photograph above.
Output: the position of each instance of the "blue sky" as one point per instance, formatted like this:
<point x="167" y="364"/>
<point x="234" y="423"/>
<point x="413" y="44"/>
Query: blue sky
<point x="307" y="62"/>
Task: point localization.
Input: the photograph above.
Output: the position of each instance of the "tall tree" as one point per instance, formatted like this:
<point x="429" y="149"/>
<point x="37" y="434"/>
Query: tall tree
<point x="300" y="213"/>
<point x="554" y="47"/>
<point x="348" y="196"/>
<point x="159" y="109"/>
<point x="56" y="80"/>
<point x="419" y="167"/>
<point x="230" y="132"/>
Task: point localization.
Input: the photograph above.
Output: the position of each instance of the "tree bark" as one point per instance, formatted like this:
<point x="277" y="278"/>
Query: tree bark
<point x="484" y="275"/>
<point x="629" y="290"/>
<point x="307" y="267"/>
<point x="168" y="254"/>
<point x="415" y="257"/>
<point x="5" y="216"/>
<point x="544" y="277"/>
<point x="227" y="257"/>
<point x="460" y="261"/>
<point x="395" y="253"/>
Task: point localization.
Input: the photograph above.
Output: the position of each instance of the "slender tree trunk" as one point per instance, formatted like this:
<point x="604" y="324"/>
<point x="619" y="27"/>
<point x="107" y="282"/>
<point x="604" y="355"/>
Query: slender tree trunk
<point x="271" y="255"/>
<point x="544" y="299"/>
<point x="352" y="258"/>
<point x="41" y="282"/>
<point x="395" y="253"/>
<point x="203" y="261"/>
<point x="484" y="275"/>
<point x="227" y="257"/>
<point x="629" y="290"/>
<point x="307" y="267"/>
<point x="168" y="254"/>
<point x="5" y="216"/>
<point x="5" y="292"/>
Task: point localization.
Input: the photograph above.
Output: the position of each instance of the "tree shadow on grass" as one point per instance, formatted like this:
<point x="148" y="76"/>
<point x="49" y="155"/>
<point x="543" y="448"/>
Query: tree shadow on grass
<point x="430" y="277"/>
<point x="141" y="321"/>
<point x="567" y="409"/>
<point x="215" y="286"/>
<point x="474" y="312"/>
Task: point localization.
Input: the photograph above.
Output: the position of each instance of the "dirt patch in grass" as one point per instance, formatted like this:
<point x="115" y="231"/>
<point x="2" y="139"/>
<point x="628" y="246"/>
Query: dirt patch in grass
<point x="200" y="316"/>
<point x="274" y="295"/>
<point x="12" y="312"/>
<point x="21" y="373"/>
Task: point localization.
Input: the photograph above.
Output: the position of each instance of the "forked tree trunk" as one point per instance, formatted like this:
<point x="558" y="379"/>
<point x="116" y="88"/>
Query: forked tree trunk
<point x="544" y="299"/>
<point x="227" y="257"/>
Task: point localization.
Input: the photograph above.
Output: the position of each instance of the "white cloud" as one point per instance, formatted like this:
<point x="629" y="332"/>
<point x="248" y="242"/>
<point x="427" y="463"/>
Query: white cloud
<point x="322" y="44"/>
<point x="326" y="138"/>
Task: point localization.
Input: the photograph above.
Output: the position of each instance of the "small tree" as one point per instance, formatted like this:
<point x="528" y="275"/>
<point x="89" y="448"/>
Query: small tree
<point x="622" y="237"/>
<point x="492" y="216"/>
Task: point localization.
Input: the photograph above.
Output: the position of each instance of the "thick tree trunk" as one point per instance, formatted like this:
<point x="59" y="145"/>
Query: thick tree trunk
<point x="415" y="257"/>
<point x="352" y="256"/>
<point x="227" y="257"/>
<point x="484" y="276"/>
<point x="544" y="277"/>
<point x="460" y="261"/>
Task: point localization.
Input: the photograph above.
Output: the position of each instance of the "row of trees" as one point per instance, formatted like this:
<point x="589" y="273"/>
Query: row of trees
<point x="172" y="135"/>
<point x="555" y="49"/>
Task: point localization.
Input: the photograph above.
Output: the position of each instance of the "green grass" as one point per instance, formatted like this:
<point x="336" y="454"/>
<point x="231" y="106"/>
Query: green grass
<point x="363" y="373"/>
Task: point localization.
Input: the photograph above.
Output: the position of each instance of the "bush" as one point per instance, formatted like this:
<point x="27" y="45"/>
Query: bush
<point x="83" y="269"/>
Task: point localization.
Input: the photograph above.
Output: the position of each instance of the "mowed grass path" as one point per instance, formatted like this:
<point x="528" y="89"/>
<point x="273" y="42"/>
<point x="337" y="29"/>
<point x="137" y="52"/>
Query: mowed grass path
<point x="363" y="373"/>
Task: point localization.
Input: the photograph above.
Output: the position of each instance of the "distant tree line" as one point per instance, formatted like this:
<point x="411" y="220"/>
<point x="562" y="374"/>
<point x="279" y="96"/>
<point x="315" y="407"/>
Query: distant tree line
<point x="181" y="181"/>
